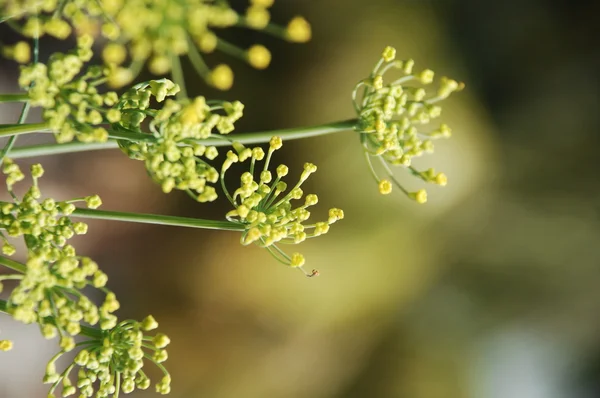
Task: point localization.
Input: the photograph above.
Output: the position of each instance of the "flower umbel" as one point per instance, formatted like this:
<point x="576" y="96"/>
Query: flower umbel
<point x="72" y="105"/>
<point x="392" y="119"/>
<point x="51" y="280"/>
<point x="174" y="159"/>
<point x="111" y="361"/>
<point x="262" y="205"/>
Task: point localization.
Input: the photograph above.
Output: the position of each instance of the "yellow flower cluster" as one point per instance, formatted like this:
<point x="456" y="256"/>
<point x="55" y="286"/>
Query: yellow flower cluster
<point x="392" y="119"/>
<point x="173" y="158"/>
<point x="48" y="289"/>
<point x="39" y="17"/>
<point x="263" y="205"/>
<point x="112" y="362"/>
<point x="68" y="94"/>
<point x="153" y="32"/>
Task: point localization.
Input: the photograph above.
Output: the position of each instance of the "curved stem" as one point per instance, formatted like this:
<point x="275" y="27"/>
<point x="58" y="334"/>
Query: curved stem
<point x="157" y="219"/>
<point x="260" y="137"/>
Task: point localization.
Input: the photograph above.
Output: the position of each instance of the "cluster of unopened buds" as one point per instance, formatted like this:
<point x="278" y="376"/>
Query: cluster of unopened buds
<point x="174" y="157"/>
<point x="50" y="292"/>
<point x="262" y="204"/>
<point x="111" y="361"/>
<point x="155" y="33"/>
<point x="392" y="120"/>
<point x="68" y="94"/>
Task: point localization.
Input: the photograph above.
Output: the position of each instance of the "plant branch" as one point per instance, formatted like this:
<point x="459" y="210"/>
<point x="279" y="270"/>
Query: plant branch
<point x="16" y="129"/>
<point x="246" y="138"/>
<point x="14" y="97"/>
<point x="157" y="219"/>
<point x="14" y="265"/>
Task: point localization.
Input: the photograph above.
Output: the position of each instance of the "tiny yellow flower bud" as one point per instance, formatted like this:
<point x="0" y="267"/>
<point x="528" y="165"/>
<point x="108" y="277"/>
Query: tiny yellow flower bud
<point x="93" y="202"/>
<point x="114" y="53"/>
<point x="426" y="76"/>
<point x="378" y="82"/>
<point x="259" y="56"/>
<point x="20" y="52"/>
<point x="275" y="143"/>
<point x="258" y="153"/>
<point x="257" y="17"/>
<point x="80" y="228"/>
<point x="211" y="153"/>
<point x="441" y="179"/>
<point x="8" y="249"/>
<point x="159" y="65"/>
<point x="389" y="53"/>
<point x="282" y="170"/>
<point x="100" y="279"/>
<point x="298" y="30"/>
<point x="119" y="77"/>
<point x="6" y="345"/>
<point x="37" y="170"/>
<point x="385" y="187"/>
<point x="221" y="77"/>
<point x="113" y="115"/>
<point x="58" y="28"/>
<point x="111" y="31"/>
<point x="311" y="200"/>
<point x="408" y="65"/>
<point x="265" y="176"/>
<point x="67" y="343"/>
<point x="297" y="260"/>
<point x="420" y="196"/>
<point x="207" y="42"/>
<point x="161" y="340"/>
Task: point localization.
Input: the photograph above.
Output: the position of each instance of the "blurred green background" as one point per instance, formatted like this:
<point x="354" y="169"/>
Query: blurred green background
<point x="489" y="290"/>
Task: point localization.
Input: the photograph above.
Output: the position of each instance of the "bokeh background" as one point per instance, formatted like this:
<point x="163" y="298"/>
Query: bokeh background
<point x="489" y="290"/>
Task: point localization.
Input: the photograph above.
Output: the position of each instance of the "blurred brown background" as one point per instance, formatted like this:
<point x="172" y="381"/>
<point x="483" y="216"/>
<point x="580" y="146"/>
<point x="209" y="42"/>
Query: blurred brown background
<point x="488" y="291"/>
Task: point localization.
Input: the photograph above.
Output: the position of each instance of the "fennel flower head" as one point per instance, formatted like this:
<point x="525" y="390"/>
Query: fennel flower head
<point x="395" y="117"/>
<point x="263" y="204"/>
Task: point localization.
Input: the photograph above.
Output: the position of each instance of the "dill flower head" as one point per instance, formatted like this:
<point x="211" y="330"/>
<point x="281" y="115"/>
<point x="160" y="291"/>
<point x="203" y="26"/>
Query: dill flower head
<point x="111" y="361"/>
<point x="157" y="31"/>
<point x="36" y="18"/>
<point x="394" y="119"/>
<point x="174" y="159"/>
<point x="153" y="32"/>
<point x="263" y="204"/>
<point x="51" y="280"/>
<point x="68" y="94"/>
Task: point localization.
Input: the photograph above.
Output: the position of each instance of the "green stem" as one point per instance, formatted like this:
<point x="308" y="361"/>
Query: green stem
<point x="57" y="149"/>
<point x="261" y="137"/>
<point x="16" y="129"/>
<point x="177" y="74"/>
<point x="16" y="266"/>
<point x="14" y="97"/>
<point x="11" y="141"/>
<point x="157" y="219"/>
